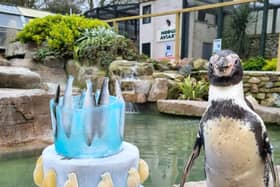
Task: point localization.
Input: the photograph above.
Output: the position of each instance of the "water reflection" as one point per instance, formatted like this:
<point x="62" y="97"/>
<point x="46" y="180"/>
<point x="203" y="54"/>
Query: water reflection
<point x="166" y="141"/>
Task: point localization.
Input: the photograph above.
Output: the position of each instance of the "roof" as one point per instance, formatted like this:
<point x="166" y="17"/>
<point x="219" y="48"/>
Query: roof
<point x="28" y="12"/>
<point x="33" y="12"/>
<point x="9" y="9"/>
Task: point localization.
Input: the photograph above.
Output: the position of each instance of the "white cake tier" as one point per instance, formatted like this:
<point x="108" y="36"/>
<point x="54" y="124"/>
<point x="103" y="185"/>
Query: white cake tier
<point x="89" y="171"/>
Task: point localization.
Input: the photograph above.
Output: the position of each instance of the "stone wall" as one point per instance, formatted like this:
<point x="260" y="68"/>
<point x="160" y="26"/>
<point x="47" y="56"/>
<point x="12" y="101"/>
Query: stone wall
<point x="264" y="86"/>
<point x="270" y="48"/>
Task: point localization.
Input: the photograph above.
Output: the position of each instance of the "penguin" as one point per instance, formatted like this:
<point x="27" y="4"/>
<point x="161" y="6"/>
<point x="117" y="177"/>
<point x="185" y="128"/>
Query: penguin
<point x="235" y="140"/>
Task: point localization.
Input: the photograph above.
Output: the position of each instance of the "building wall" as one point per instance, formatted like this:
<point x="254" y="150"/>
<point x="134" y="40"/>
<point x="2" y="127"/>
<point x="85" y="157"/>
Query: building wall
<point x="148" y="32"/>
<point x="201" y="32"/>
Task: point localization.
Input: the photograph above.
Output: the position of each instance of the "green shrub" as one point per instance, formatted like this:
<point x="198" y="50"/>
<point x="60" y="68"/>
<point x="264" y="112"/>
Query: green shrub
<point x="270" y="65"/>
<point x="254" y="63"/>
<point x="42" y="52"/>
<point x="58" y="32"/>
<point x="101" y="46"/>
<point x="192" y="89"/>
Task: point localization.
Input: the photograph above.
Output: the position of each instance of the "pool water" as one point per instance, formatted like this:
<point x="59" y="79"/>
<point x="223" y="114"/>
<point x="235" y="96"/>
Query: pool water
<point x="164" y="142"/>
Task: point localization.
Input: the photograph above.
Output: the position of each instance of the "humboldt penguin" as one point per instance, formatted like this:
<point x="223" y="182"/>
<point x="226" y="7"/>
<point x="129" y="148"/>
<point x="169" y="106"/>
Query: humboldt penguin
<point x="237" y="148"/>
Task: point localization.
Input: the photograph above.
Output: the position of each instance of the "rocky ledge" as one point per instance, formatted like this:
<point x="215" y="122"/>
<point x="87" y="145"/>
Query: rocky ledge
<point x="24" y="115"/>
<point x="18" y="77"/>
<point x="197" y="108"/>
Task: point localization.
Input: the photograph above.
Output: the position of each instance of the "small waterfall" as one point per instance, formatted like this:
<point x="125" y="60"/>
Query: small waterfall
<point x="131" y="108"/>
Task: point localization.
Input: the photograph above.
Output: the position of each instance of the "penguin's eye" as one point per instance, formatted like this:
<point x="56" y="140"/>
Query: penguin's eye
<point x="236" y="61"/>
<point x="211" y="65"/>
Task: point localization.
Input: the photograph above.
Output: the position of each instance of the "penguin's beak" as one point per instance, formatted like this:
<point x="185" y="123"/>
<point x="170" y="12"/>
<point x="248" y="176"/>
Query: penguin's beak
<point x="223" y="68"/>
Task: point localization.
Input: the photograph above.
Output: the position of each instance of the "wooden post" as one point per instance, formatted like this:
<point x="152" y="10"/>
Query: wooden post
<point x="177" y="37"/>
<point x="116" y="26"/>
<point x="278" y="58"/>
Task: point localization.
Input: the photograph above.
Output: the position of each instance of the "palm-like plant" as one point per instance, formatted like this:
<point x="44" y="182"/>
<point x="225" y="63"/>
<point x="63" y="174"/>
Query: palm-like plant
<point x="235" y="35"/>
<point x="192" y="89"/>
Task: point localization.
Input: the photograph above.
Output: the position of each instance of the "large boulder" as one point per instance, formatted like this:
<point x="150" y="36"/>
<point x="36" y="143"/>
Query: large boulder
<point x="130" y="69"/>
<point x="3" y="61"/>
<point x="82" y="73"/>
<point x="18" y="77"/>
<point x="53" y="62"/>
<point x="172" y="75"/>
<point x="136" y="91"/>
<point x="159" y="90"/>
<point x="182" y="107"/>
<point x="24" y="115"/>
<point x="23" y="62"/>
<point x="15" y="49"/>
<point x="200" y="64"/>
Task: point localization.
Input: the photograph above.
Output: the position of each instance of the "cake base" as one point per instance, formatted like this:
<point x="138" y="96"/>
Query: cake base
<point x="89" y="171"/>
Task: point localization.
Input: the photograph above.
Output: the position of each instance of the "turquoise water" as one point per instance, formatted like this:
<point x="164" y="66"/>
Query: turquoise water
<point x="164" y="142"/>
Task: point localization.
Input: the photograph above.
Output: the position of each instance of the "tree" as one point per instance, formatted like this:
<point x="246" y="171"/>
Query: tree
<point x="63" y="6"/>
<point x="235" y="35"/>
<point x="23" y="3"/>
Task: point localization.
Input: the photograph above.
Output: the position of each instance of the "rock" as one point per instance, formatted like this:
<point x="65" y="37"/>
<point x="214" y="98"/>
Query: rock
<point x="131" y="96"/>
<point x="15" y="49"/>
<point x="199" y="64"/>
<point x="182" y="107"/>
<point x="268" y="85"/>
<point x="272" y="100"/>
<point x="82" y="73"/>
<point x="130" y="69"/>
<point x="24" y="115"/>
<point x="3" y="61"/>
<point x="161" y="67"/>
<point x="185" y="69"/>
<point x="254" y="80"/>
<point x="53" y="62"/>
<point x="159" y="90"/>
<point x="137" y="86"/>
<point x="277" y="84"/>
<point x="260" y="95"/>
<point x="173" y="75"/>
<point x="20" y="62"/>
<point x="264" y="78"/>
<point x="252" y="100"/>
<point x="18" y="77"/>
<point x="254" y="88"/>
<point x="197" y="108"/>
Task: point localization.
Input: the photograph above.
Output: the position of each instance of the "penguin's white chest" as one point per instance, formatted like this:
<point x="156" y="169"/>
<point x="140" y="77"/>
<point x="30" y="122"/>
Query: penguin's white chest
<point x="232" y="155"/>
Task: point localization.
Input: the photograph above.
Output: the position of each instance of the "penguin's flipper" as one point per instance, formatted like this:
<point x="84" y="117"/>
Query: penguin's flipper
<point x="195" y="153"/>
<point x="274" y="171"/>
<point x="267" y="148"/>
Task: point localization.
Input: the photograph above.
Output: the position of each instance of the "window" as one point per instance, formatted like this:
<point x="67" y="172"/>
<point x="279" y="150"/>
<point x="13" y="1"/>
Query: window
<point x="201" y="16"/>
<point x="146" y="10"/>
<point x="146" y="49"/>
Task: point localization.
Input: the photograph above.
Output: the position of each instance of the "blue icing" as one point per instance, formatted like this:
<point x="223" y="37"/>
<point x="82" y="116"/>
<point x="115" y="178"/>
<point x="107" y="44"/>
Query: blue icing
<point x="108" y="129"/>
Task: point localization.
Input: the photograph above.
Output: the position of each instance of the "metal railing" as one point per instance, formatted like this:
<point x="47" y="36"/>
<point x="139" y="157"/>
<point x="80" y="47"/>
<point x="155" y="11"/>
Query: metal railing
<point x="178" y="14"/>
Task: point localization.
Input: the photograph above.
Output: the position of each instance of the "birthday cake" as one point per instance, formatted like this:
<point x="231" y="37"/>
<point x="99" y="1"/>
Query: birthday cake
<point x="88" y="149"/>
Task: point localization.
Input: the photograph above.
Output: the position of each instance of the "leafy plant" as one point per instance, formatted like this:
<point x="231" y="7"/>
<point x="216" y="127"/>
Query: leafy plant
<point x="192" y="89"/>
<point x="270" y="65"/>
<point x="254" y="64"/>
<point x="58" y="32"/>
<point x="101" y="46"/>
<point x="43" y="52"/>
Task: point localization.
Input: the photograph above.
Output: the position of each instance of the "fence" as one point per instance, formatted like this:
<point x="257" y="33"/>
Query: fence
<point x="178" y="14"/>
